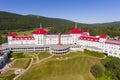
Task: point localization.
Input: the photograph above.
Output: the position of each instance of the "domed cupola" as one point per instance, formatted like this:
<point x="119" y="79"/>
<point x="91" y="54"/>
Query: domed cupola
<point x="40" y="31"/>
<point x="75" y="30"/>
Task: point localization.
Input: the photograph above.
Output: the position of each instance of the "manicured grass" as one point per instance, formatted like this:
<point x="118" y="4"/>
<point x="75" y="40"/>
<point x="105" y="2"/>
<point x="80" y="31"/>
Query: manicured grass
<point x="9" y="72"/>
<point x="17" y="55"/>
<point x="42" y="55"/>
<point x="7" y="75"/>
<point x="29" y="55"/>
<point x="23" y="55"/>
<point x="76" y="68"/>
<point x="21" y="63"/>
<point x="70" y="54"/>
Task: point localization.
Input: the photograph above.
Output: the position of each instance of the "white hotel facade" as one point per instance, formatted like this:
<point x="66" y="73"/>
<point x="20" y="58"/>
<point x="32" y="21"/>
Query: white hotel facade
<point x="77" y="39"/>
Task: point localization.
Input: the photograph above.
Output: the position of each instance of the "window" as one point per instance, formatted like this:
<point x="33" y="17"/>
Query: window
<point x="110" y="52"/>
<point x="115" y="53"/>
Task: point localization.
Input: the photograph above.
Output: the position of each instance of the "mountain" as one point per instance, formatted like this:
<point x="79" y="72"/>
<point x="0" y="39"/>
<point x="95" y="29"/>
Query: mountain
<point x="108" y="23"/>
<point x="10" y="22"/>
<point x="13" y="21"/>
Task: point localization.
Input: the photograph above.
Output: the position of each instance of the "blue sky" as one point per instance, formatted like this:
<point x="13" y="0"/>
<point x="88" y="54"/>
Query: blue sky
<point x="84" y="11"/>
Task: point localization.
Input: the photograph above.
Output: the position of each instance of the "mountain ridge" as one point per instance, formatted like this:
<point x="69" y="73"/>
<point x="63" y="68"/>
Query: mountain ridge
<point x="11" y="22"/>
<point x="33" y="21"/>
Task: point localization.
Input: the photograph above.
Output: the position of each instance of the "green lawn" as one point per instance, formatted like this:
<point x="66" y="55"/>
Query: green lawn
<point x="21" y="63"/>
<point x="42" y="55"/>
<point x="9" y="72"/>
<point x="73" y="68"/>
<point x="7" y="75"/>
<point x="69" y="55"/>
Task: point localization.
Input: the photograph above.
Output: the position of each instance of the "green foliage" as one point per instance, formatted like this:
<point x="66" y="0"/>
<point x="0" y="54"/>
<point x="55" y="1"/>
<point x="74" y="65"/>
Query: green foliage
<point x="15" y="22"/>
<point x="10" y="77"/>
<point x="2" y="39"/>
<point x="93" y="53"/>
<point x="105" y="76"/>
<point x="107" y="59"/>
<point x="17" y="55"/>
<point x="11" y="22"/>
<point x="112" y="65"/>
<point x="96" y="71"/>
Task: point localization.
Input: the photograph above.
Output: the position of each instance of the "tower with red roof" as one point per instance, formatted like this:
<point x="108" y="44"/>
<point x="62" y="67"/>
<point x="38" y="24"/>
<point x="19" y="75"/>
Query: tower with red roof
<point x="39" y="36"/>
<point x="10" y="37"/>
<point x="103" y="37"/>
<point x="75" y="33"/>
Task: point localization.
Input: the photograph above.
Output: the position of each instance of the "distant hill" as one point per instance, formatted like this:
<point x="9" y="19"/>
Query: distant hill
<point x="108" y="24"/>
<point x="15" y="22"/>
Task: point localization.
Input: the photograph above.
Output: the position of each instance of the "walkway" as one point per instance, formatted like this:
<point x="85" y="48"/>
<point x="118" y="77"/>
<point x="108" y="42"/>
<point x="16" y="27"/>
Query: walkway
<point x="43" y="59"/>
<point x="31" y="62"/>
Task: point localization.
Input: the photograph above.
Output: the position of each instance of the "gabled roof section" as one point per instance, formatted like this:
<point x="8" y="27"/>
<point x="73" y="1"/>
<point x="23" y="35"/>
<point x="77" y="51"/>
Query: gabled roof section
<point x="40" y="31"/>
<point x="12" y="34"/>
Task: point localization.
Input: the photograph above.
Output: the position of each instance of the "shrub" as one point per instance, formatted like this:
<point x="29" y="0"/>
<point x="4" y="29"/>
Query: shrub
<point x="96" y="71"/>
<point x="10" y="77"/>
<point x="94" y="53"/>
<point x="113" y="66"/>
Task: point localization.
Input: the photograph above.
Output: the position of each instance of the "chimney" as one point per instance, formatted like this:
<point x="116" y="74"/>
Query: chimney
<point x="59" y="39"/>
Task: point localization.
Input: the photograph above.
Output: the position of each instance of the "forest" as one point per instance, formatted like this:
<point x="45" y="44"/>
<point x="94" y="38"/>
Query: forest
<point x="12" y="22"/>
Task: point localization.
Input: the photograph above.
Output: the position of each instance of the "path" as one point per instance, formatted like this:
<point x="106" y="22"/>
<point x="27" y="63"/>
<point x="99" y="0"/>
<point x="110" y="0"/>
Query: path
<point x="31" y="62"/>
<point x="31" y="65"/>
<point x="43" y="59"/>
<point x="37" y="57"/>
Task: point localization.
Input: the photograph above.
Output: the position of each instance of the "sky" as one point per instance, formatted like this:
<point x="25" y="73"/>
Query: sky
<point x="83" y="11"/>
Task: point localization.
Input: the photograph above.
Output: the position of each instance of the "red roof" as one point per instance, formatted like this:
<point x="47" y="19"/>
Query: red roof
<point x="1" y="51"/>
<point x="40" y="31"/>
<point x="23" y="38"/>
<point x="89" y="38"/>
<point x="12" y="34"/>
<point x="75" y="31"/>
<point x="103" y="36"/>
